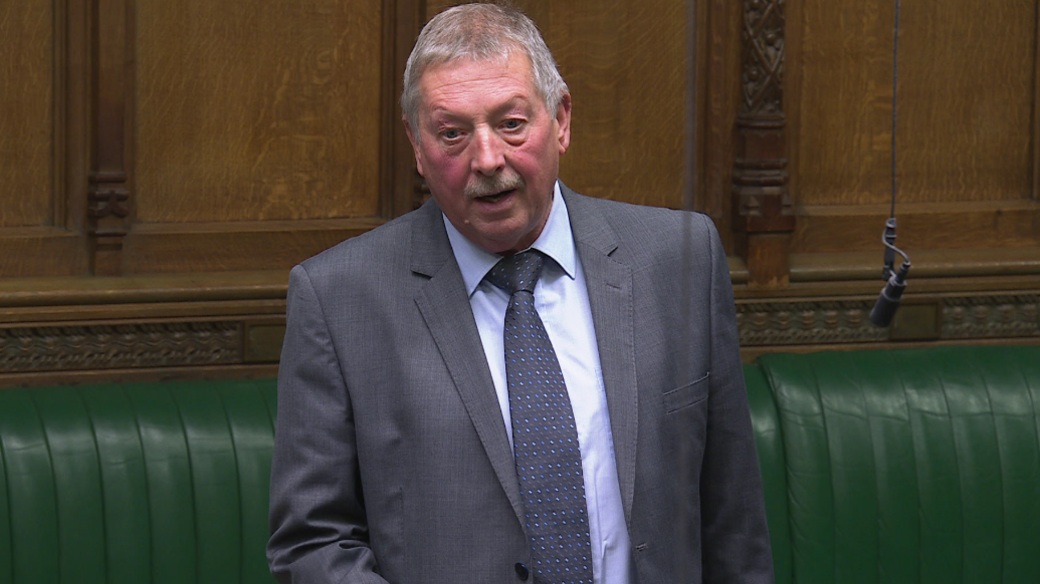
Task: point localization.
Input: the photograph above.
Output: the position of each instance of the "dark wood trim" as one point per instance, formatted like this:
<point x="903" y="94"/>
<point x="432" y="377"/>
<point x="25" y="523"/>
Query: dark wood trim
<point x="234" y="246"/>
<point x="720" y="34"/>
<point x="98" y="329"/>
<point x="402" y="20"/>
<point x="150" y="296"/>
<point x="1036" y="108"/>
<point x="952" y="226"/>
<point x="843" y="320"/>
<point x="749" y="354"/>
<point x="60" y="136"/>
<point x="108" y="196"/>
<point x="959" y="263"/>
<point x="73" y="164"/>
<point x="130" y="375"/>
<point x="41" y="251"/>
<point x="793" y="35"/>
<point x="213" y="325"/>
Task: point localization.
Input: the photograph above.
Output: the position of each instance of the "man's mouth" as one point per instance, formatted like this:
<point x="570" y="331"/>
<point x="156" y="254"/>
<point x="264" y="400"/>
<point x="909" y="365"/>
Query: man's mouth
<point x="496" y="197"/>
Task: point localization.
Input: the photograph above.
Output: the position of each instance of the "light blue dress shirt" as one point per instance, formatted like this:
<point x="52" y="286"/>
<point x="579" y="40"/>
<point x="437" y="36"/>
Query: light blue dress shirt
<point x="562" y="301"/>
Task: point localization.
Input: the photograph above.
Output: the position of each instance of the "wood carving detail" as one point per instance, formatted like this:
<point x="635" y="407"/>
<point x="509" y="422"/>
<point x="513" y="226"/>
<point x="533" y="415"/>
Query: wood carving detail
<point x="991" y="317"/>
<point x="760" y="169"/>
<point x="108" y="196"/>
<point x="61" y="348"/>
<point x="763" y="75"/>
<point x="836" y="322"/>
<point x="761" y="208"/>
<point x="806" y="323"/>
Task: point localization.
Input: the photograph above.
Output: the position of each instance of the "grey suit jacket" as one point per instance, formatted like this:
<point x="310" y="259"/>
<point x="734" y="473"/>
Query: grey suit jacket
<point x="391" y="459"/>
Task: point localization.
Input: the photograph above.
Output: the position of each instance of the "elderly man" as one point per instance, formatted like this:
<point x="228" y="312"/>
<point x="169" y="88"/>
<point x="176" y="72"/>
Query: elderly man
<point x="514" y="382"/>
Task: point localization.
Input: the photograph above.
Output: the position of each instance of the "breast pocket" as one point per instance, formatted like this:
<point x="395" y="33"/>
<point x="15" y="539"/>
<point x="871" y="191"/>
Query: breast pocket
<point x="687" y="395"/>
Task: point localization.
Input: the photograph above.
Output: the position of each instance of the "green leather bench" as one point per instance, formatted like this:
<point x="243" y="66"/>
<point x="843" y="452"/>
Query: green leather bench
<point x="902" y="466"/>
<point x="162" y="482"/>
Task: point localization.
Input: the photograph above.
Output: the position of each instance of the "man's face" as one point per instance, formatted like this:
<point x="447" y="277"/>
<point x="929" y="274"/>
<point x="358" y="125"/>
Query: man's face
<point x="489" y="150"/>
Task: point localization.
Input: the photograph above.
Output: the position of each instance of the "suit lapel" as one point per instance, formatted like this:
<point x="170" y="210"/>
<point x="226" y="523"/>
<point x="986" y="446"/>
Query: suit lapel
<point x="445" y="307"/>
<point x="609" y="285"/>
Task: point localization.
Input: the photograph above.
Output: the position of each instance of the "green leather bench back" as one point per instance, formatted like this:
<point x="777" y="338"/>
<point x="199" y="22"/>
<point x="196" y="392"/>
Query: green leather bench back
<point x="918" y="466"/>
<point x="137" y="483"/>
<point x="770" y="445"/>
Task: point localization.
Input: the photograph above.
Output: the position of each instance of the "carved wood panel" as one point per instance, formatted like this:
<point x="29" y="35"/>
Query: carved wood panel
<point x="42" y="124"/>
<point x="256" y="115"/>
<point x="966" y="139"/>
<point x="27" y="104"/>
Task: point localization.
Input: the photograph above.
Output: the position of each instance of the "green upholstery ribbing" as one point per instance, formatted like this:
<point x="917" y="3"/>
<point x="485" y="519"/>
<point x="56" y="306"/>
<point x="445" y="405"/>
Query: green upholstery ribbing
<point x="918" y="466"/>
<point x="162" y="482"/>
<point x="913" y="465"/>
<point x="769" y="442"/>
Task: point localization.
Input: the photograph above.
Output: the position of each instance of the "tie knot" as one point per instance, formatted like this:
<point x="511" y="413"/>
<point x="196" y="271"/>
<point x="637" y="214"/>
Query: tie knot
<point x="517" y="272"/>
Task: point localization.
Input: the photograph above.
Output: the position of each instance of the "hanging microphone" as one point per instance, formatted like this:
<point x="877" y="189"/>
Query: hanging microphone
<point x="891" y="295"/>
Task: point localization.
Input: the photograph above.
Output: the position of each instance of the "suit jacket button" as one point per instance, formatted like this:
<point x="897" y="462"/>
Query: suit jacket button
<point x="521" y="570"/>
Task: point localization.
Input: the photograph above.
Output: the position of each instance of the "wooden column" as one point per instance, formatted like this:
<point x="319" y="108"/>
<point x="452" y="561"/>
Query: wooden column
<point x="108" y="195"/>
<point x="402" y="185"/>
<point x="762" y="210"/>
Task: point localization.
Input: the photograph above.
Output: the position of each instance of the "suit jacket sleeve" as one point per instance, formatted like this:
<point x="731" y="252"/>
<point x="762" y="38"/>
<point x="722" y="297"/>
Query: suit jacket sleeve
<point x="734" y="533"/>
<point x="317" y="517"/>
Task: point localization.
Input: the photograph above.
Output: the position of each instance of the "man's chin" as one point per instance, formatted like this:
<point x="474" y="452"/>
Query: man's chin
<point x="498" y="239"/>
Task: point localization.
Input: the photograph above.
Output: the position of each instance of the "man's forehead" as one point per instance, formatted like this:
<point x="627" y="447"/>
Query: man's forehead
<point x="505" y="79"/>
<point x="490" y="63"/>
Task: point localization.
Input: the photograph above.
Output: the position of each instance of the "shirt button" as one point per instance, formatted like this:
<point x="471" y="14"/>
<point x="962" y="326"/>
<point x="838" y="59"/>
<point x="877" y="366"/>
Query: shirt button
<point x="521" y="570"/>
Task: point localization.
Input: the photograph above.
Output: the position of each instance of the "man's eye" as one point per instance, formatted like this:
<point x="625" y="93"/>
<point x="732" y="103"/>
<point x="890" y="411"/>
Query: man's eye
<point x="451" y="134"/>
<point x="512" y="124"/>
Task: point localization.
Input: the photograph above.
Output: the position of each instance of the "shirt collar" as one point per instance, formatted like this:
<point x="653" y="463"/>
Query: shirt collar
<point x="555" y="241"/>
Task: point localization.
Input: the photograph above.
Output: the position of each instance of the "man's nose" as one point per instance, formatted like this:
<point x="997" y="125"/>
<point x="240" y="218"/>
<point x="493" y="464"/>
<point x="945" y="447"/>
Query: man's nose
<point x="488" y="153"/>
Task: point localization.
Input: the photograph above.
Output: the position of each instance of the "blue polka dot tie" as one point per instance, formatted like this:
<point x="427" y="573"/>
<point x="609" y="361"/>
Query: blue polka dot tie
<point x="545" y="440"/>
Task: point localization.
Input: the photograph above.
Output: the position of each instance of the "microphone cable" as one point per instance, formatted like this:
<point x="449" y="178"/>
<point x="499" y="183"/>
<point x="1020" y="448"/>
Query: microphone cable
<point x="891" y="295"/>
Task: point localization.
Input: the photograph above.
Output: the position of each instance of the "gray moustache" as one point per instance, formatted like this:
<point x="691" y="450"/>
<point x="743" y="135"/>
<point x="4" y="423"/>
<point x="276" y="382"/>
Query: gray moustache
<point x="493" y="185"/>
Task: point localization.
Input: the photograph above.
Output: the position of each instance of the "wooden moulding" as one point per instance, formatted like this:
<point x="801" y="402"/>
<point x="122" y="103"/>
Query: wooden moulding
<point x="38" y="251"/>
<point x="37" y="293"/>
<point x="944" y="263"/>
<point x="842" y="322"/>
<point x="130" y="375"/>
<point x="231" y="324"/>
<point x="179" y="326"/>
<point x="190" y="347"/>
<point x="964" y="225"/>
<point x="243" y="245"/>
<point x="953" y="296"/>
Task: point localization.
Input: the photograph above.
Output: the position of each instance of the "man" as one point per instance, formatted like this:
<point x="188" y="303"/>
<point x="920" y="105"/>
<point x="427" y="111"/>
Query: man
<point x="408" y="417"/>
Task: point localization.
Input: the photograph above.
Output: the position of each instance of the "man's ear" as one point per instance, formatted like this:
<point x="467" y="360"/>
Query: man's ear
<point x="415" y="145"/>
<point x="563" y="122"/>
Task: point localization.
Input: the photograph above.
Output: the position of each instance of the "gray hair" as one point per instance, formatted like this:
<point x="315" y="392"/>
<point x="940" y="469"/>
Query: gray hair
<point x="480" y="32"/>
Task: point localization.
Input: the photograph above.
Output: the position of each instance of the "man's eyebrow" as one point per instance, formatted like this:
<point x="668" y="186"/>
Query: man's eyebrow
<point x="439" y="114"/>
<point x="512" y="103"/>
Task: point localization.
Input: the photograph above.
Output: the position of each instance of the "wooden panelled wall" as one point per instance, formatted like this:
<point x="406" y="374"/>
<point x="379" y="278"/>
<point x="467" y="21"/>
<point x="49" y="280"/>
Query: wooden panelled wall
<point x="165" y="163"/>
